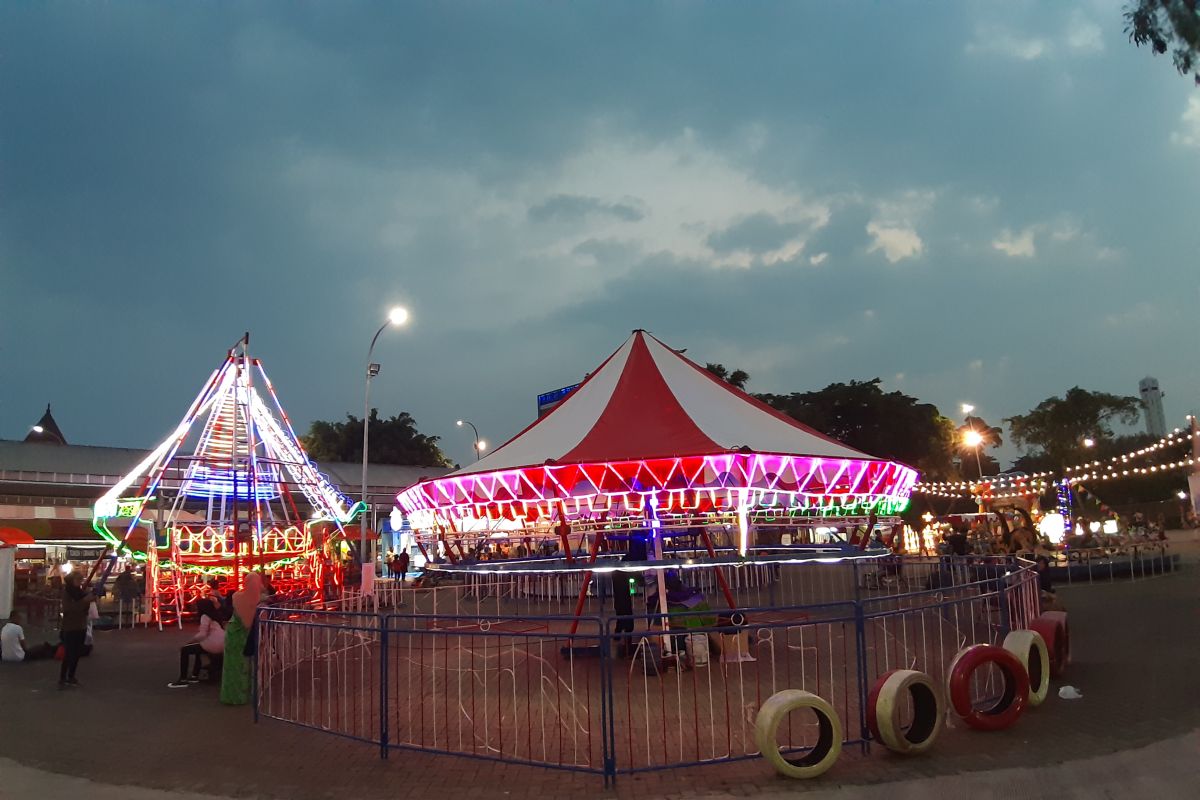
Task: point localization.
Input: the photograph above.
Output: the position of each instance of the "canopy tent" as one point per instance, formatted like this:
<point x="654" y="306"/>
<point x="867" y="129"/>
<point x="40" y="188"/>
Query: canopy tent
<point x="649" y="426"/>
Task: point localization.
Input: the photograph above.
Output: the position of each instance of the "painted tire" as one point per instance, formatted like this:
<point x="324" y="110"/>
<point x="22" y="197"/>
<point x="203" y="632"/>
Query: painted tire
<point x="1054" y="630"/>
<point x="829" y="741"/>
<point x="1030" y="649"/>
<point x="883" y="711"/>
<point x="1012" y="701"/>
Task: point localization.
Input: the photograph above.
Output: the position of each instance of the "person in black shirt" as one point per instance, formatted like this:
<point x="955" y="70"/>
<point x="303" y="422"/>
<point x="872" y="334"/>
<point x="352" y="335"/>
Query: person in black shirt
<point x="957" y="541"/>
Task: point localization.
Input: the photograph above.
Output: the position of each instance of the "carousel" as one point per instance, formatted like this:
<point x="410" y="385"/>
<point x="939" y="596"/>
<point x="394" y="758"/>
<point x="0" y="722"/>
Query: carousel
<point x="657" y="475"/>
<point x="231" y="489"/>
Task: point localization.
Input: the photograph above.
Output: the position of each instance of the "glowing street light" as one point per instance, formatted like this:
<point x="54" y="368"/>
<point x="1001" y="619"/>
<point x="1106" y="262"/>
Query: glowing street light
<point x="1089" y="442"/>
<point x="972" y="438"/>
<point x="480" y="444"/>
<point x="396" y="317"/>
<point x="41" y="431"/>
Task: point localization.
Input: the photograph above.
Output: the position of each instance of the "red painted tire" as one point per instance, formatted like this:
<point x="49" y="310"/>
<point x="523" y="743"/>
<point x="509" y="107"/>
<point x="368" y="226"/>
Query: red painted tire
<point x="1013" y="699"/>
<point x="883" y="711"/>
<point x="1054" y="630"/>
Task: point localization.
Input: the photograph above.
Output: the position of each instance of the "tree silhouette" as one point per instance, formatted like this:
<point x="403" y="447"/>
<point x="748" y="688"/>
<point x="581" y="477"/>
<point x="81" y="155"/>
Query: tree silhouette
<point x="882" y="424"/>
<point x="393" y="441"/>
<point x="737" y="379"/>
<point x="1168" y="25"/>
<point x="1055" y="431"/>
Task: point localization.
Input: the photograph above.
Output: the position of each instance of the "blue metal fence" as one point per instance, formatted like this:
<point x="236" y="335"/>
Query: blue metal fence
<point x="618" y="695"/>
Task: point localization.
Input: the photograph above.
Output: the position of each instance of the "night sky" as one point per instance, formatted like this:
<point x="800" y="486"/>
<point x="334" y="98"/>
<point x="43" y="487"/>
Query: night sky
<point x="977" y="202"/>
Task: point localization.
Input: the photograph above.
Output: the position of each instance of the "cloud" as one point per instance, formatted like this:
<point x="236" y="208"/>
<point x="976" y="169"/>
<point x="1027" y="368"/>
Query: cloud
<point x="1083" y="35"/>
<point x="1064" y="232"/>
<point x="897" y="244"/>
<point x="757" y="233"/>
<point x="1079" y="36"/>
<point x="1188" y="134"/>
<point x="1139" y="314"/>
<point x="817" y="259"/>
<point x="1016" y="245"/>
<point x="892" y="228"/>
<point x="573" y="207"/>
<point x="993" y="41"/>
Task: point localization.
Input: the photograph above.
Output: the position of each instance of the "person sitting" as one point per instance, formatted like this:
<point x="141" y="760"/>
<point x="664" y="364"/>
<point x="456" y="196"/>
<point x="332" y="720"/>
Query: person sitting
<point x="12" y="643"/>
<point x="1047" y="595"/>
<point x="209" y="639"/>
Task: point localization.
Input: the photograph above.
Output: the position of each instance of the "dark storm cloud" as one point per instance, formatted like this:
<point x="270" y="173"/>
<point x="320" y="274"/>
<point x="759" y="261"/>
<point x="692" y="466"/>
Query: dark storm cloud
<point x="757" y="233"/>
<point x="570" y="207"/>
<point x="951" y="195"/>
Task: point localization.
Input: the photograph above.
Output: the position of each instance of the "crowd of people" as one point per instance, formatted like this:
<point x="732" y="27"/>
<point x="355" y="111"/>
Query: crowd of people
<point x="987" y="535"/>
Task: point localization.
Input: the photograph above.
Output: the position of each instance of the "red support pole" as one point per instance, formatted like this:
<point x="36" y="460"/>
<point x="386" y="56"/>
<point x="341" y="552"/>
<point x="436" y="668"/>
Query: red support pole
<point x="564" y="528"/>
<point x="712" y="553"/>
<point x="449" y="550"/>
<point x="587" y="577"/>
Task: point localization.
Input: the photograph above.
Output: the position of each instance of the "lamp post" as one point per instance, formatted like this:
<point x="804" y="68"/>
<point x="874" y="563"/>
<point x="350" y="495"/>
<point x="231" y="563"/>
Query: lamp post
<point x="480" y="444"/>
<point x="397" y="316"/>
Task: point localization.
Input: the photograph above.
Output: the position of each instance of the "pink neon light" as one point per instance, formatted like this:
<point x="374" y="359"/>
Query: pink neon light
<point x="534" y="490"/>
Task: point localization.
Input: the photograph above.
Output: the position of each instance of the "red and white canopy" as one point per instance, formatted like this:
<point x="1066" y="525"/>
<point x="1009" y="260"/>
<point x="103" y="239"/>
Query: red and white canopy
<point x="648" y="401"/>
<point x="648" y="419"/>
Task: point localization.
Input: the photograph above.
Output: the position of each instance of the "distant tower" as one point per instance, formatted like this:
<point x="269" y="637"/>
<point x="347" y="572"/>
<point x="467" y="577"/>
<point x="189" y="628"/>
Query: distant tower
<point x="46" y="430"/>
<point x="1156" y="421"/>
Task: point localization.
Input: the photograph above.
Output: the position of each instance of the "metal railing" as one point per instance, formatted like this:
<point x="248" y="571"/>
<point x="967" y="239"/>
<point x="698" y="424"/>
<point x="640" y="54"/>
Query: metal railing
<point x="619" y="695"/>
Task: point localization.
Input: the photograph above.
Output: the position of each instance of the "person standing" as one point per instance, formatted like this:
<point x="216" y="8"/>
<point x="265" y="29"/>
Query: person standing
<point x="125" y="591"/>
<point x="402" y="565"/>
<point x="76" y="603"/>
<point x="235" y="671"/>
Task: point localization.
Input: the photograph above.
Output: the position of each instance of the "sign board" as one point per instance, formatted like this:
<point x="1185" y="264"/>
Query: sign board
<point x="31" y="553"/>
<point x="550" y="400"/>
<point x="83" y="553"/>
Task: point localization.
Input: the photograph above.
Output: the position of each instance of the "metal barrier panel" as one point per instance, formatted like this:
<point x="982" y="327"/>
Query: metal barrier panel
<point x="611" y="695"/>
<point x="969" y="602"/>
<point x="691" y="695"/>
<point x="320" y="670"/>
<point x="514" y="689"/>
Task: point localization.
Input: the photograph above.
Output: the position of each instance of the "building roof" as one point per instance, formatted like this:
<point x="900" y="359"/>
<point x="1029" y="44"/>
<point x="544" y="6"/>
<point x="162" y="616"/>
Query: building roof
<point x="46" y="430"/>
<point x="41" y="462"/>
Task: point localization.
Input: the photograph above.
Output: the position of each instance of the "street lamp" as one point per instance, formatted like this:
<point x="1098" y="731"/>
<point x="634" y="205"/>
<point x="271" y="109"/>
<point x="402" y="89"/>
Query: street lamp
<point x="1089" y="442"/>
<point x="973" y="438"/>
<point x="480" y="444"/>
<point x="41" y="431"/>
<point x="397" y="317"/>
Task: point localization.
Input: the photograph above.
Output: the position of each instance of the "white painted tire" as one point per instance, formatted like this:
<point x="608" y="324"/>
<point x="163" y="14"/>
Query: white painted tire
<point x="929" y="716"/>
<point x="1030" y="649"/>
<point x="829" y="742"/>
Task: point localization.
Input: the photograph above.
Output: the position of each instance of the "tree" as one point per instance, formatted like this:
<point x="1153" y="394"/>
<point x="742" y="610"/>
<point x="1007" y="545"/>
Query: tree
<point x="393" y="441"/>
<point x="737" y="379"/>
<point x="1056" y="430"/>
<point x="887" y="425"/>
<point x="1168" y="25"/>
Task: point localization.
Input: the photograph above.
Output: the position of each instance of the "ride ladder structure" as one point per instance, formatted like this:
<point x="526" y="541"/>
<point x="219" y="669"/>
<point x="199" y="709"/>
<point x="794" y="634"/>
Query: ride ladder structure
<point x="234" y="491"/>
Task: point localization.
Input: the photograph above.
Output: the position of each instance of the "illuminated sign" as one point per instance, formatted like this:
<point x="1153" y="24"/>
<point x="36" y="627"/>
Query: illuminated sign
<point x="550" y="400"/>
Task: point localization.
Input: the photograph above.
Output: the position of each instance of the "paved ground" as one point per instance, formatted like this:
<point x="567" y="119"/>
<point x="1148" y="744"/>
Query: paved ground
<point x="1136" y="661"/>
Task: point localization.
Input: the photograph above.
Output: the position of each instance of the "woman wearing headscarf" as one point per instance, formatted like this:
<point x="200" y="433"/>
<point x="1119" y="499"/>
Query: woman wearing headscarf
<point x="210" y="639"/>
<point x="75" y="604"/>
<point x="235" y="674"/>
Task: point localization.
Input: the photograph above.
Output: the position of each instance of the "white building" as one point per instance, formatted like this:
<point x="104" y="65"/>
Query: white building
<point x="1152" y="407"/>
